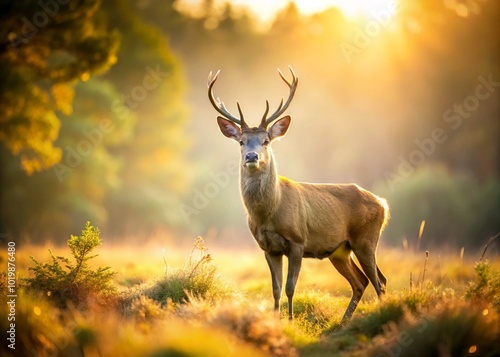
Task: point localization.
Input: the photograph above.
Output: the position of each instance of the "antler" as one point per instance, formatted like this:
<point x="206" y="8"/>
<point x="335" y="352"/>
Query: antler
<point x="281" y="108"/>
<point x="219" y="105"/>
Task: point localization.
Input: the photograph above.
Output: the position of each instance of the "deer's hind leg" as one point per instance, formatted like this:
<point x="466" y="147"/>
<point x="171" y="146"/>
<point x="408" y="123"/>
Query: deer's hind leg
<point x="365" y="250"/>
<point x="342" y="261"/>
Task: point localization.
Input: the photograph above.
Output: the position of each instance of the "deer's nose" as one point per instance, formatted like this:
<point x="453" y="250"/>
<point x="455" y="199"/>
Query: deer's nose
<point x="252" y="157"/>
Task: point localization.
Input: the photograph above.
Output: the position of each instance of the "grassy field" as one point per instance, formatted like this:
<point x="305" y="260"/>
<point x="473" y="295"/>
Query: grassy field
<point x="201" y="301"/>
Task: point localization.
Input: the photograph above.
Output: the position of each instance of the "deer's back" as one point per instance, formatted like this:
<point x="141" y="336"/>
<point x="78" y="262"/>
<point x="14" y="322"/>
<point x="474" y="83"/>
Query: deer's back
<point x="322" y="216"/>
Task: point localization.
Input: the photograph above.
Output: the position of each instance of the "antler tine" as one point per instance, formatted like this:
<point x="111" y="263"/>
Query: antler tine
<point x="212" y="80"/>
<point x="283" y="76"/>
<point x="265" y="113"/>
<point x="219" y="105"/>
<point x="282" y="107"/>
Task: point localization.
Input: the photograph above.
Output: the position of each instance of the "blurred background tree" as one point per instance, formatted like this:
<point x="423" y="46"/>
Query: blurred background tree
<point x="86" y="154"/>
<point x="357" y="115"/>
<point x="43" y="51"/>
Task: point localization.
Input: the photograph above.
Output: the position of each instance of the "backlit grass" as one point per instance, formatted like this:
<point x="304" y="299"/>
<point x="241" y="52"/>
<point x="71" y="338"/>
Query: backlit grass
<point x="194" y="301"/>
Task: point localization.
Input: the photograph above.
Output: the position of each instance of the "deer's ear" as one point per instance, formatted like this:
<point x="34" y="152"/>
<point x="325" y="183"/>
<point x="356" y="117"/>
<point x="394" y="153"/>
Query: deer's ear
<point x="280" y="127"/>
<point x="229" y="129"/>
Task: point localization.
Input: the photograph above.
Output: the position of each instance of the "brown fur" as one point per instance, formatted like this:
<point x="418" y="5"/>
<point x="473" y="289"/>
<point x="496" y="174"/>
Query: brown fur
<point x="303" y="220"/>
<point x="317" y="220"/>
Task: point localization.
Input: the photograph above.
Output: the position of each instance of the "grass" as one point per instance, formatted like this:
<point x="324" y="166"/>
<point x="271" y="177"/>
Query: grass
<point x="196" y="279"/>
<point x="220" y="304"/>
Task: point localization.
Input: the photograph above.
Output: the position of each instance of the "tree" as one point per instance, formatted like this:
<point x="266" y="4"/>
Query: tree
<point x="44" y="49"/>
<point x="118" y="155"/>
<point x="55" y="202"/>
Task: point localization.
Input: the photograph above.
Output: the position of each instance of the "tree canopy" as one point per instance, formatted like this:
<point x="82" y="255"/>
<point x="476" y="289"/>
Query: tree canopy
<point x="92" y="143"/>
<point x="45" y="48"/>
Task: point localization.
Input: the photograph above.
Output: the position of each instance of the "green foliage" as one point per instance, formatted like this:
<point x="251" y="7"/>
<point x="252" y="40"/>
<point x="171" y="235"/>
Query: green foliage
<point x="42" y="53"/>
<point x="198" y="279"/>
<point x="76" y="187"/>
<point x="89" y="156"/>
<point x="487" y="285"/>
<point x="439" y="196"/>
<point x="426" y="321"/>
<point x="74" y="282"/>
<point x="314" y="313"/>
<point x="420" y="323"/>
<point x="454" y="329"/>
<point x="372" y="324"/>
<point x="148" y="170"/>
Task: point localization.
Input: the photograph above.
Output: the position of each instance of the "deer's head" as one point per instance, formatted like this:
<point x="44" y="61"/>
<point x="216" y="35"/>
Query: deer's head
<point x="255" y="142"/>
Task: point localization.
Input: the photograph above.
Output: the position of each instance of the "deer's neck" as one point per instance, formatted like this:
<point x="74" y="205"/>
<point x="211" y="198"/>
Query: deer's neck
<point x="261" y="191"/>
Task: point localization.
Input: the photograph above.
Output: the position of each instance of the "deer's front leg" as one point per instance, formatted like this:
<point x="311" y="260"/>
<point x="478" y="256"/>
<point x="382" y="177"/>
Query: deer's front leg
<point x="294" y="263"/>
<point x="276" y="266"/>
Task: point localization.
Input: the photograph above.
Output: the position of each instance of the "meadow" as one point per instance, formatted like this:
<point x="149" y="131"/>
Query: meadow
<point x="158" y="299"/>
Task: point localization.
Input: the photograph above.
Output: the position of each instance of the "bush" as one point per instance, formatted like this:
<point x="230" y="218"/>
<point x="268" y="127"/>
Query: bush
<point x="454" y="329"/>
<point x="74" y="282"/>
<point x="487" y="286"/>
<point x="198" y="278"/>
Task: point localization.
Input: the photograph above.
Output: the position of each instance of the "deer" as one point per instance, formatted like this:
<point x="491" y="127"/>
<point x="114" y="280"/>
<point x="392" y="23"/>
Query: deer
<point x="302" y="220"/>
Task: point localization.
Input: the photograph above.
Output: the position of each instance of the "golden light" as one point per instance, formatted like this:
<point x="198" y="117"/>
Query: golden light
<point x="350" y="8"/>
<point x="37" y="311"/>
<point x="266" y="10"/>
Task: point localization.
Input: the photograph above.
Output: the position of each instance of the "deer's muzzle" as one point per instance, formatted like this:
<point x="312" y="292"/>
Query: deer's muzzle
<point x="252" y="159"/>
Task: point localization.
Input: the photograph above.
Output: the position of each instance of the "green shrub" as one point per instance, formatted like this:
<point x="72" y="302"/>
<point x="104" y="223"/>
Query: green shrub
<point x="487" y="286"/>
<point x="198" y="278"/>
<point x="372" y="324"/>
<point x="76" y="282"/>
<point x="455" y="329"/>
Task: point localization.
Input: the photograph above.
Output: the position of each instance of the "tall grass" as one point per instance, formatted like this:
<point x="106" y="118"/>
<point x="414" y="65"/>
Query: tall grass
<point x="197" y="278"/>
<point x="190" y="309"/>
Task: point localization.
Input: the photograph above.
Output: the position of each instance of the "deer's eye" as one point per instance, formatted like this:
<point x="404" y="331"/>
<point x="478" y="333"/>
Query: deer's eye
<point x="266" y="142"/>
<point x="242" y="143"/>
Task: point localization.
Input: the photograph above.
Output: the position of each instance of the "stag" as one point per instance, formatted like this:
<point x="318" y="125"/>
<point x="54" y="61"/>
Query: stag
<point x="302" y="220"/>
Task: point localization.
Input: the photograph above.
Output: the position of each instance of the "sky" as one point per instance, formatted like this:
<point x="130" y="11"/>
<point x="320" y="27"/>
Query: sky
<point x="267" y="9"/>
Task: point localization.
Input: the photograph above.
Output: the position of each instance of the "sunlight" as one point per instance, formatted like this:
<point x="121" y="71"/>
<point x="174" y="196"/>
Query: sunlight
<point x="266" y="10"/>
<point x="350" y="8"/>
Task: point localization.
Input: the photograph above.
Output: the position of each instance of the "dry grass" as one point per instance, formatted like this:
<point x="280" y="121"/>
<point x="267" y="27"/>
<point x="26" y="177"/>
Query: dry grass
<point x="240" y="321"/>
